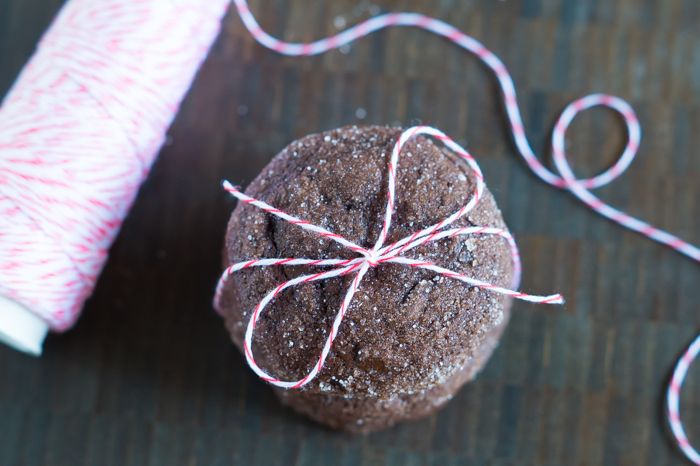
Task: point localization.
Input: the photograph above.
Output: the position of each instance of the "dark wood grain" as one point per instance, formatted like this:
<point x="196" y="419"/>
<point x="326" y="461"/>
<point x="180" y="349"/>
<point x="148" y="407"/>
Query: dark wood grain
<point x="148" y="375"/>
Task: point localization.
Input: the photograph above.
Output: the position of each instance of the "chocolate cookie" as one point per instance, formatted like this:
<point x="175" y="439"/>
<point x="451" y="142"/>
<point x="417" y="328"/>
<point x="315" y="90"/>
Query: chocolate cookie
<point x="410" y="338"/>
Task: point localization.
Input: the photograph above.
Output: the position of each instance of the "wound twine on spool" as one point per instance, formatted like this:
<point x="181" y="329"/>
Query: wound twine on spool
<point x="566" y="180"/>
<point x="79" y="131"/>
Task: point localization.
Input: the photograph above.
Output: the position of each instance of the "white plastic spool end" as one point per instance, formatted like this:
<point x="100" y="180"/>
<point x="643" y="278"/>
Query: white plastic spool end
<point x="20" y="328"/>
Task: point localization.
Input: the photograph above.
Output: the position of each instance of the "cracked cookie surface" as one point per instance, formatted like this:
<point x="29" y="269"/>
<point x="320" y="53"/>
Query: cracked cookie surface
<point x="407" y="330"/>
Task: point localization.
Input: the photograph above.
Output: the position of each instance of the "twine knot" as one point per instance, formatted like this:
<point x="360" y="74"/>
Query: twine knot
<point x="374" y="258"/>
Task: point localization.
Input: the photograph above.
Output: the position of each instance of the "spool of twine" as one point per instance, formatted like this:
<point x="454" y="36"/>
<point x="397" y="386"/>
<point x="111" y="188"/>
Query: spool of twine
<point x="79" y="131"/>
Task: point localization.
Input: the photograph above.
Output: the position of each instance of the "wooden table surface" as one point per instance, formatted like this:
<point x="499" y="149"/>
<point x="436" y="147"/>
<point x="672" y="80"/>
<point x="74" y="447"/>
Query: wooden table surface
<point x="148" y="376"/>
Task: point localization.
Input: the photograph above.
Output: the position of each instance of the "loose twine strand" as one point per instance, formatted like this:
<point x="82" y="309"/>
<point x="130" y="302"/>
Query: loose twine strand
<point x="566" y="180"/>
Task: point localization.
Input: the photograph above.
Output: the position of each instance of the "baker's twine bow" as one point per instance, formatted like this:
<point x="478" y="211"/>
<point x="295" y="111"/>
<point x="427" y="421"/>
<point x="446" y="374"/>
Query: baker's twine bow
<point x="578" y="187"/>
<point x="375" y="256"/>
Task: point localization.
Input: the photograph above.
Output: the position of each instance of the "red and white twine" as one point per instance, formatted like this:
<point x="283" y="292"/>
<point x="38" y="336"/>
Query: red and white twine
<point x="579" y="187"/>
<point x="79" y="131"/>
<point x="86" y="117"/>
<point x="566" y="180"/>
<point x="375" y="256"/>
<point x="672" y="400"/>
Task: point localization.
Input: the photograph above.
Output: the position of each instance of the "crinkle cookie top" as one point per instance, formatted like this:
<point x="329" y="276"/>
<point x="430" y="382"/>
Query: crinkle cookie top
<point x="407" y="329"/>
